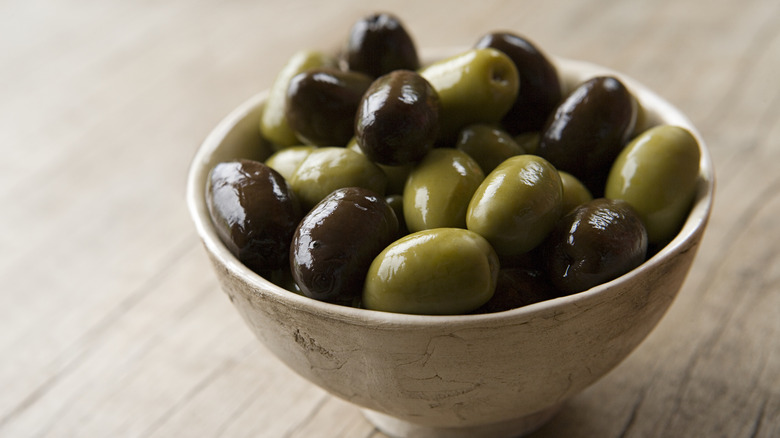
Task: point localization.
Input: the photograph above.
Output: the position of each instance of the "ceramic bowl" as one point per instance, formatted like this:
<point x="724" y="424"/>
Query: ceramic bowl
<point x="491" y="375"/>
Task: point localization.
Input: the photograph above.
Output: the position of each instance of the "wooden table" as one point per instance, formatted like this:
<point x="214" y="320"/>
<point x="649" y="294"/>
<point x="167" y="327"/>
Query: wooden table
<point x="111" y="320"/>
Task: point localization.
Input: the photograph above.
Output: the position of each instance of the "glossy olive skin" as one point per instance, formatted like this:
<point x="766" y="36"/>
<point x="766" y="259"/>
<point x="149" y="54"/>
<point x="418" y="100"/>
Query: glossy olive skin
<point x="589" y="129"/>
<point x="443" y="271"/>
<point x="518" y="287"/>
<point x="396" y="175"/>
<point x="540" y="88"/>
<point x="657" y="173"/>
<point x="254" y="212"/>
<point x="378" y="44"/>
<point x="574" y="192"/>
<point x="273" y="122"/>
<point x="336" y="242"/>
<point x="326" y="169"/>
<point x="439" y="188"/>
<point x="517" y="204"/>
<point x="476" y="86"/>
<point x="287" y="160"/>
<point x="397" y="121"/>
<point x="488" y="145"/>
<point x="595" y="243"/>
<point x="321" y="105"/>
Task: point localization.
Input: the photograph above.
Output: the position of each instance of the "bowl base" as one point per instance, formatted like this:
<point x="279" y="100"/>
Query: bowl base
<point x="513" y="428"/>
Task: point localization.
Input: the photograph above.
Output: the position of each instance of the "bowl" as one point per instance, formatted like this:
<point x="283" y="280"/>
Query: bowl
<point x="492" y="375"/>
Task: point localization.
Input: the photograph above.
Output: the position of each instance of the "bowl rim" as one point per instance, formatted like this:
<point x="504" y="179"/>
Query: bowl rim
<point x="570" y="70"/>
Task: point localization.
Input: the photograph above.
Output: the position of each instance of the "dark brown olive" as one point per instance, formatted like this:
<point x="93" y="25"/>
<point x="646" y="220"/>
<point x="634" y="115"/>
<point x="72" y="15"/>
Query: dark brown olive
<point x="396" y="202"/>
<point x="379" y="44"/>
<point x="254" y="212"/>
<point x="589" y="129"/>
<point x="517" y="287"/>
<point x="321" y="105"/>
<point x="540" y="88"/>
<point x="397" y="120"/>
<point x="595" y="243"/>
<point x="336" y="242"/>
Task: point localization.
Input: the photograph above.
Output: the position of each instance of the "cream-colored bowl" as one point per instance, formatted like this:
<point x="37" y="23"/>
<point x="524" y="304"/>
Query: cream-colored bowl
<point x="491" y="375"/>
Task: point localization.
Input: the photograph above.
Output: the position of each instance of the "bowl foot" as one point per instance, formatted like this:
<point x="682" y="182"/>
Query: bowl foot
<point x="513" y="428"/>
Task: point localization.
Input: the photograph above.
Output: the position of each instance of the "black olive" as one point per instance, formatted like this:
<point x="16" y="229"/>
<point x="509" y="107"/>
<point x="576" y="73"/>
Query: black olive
<point x="517" y="287"/>
<point x="321" y="105"/>
<point x="595" y="243"/>
<point x="254" y="212"/>
<point x="379" y="44"/>
<point x="397" y="120"/>
<point x="336" y="242"/>
<point x="588" y="130"/>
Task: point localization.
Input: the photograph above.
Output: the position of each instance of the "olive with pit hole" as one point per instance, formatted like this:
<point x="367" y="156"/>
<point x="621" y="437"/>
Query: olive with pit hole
<point x="378" y="44"/>
<point x="657" y="173"/>
<point x="397" y="120"/>
<point x="443" y="271"/>
<point x="336" y="242"/>
<point x="476" y="86"/>
<point x="326" y="169"/>
<point x="517" y="204"/>
<point x="540" y="88"/>
<point x="439" y="188"/>
<point x="595" y="243"/>
<point x="321" y="105"/>
<point x="254" y="212"/>
<point x="588" y="130"/>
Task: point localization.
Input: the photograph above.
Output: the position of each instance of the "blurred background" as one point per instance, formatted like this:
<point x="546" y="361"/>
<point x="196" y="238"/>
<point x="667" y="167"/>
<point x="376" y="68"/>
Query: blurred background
<point x="111" y="322"/>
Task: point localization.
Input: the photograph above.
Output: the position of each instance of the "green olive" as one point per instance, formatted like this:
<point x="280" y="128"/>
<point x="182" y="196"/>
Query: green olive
<point x="656" y="173"/>
<point x="396" y="175"/>
<point x="574" y="192"/>
<point x="439" y="188"/>
<point x="517" y="204"/>
<point x="273" y="122"/>
<point x="326" y="169"/>
<point x="379" y="44"/>
<point x="443" y="271"/>
<point x="540" y="88"/>
<point x="594" y="243"/>
<point x="529" y="141"/>
<point x="287" y="160"/>
<point x="488" y="145"/>
<point x="476" y="86"/>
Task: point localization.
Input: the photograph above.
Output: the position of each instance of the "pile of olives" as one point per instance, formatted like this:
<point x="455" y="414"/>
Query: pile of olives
<point x="470" y="185"/>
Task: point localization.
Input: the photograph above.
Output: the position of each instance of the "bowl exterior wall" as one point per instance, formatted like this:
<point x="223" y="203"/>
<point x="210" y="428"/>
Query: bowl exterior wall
<point x="475" y="372"/>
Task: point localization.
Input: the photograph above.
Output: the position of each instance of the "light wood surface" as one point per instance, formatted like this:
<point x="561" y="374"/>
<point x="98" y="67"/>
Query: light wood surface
<point x="112" y="323"/>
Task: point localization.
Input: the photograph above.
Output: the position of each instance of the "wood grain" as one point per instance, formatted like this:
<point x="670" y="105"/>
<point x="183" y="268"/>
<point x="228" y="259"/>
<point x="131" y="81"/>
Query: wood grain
<point x="112" y="324"/>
